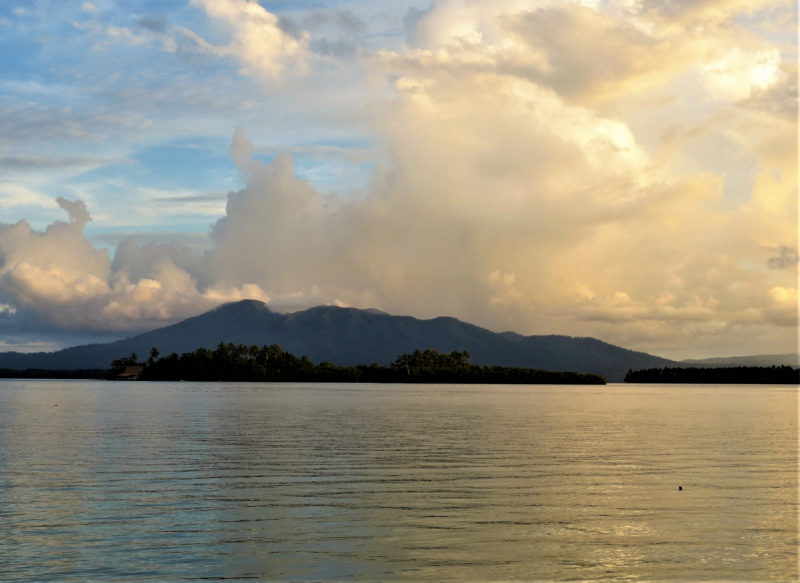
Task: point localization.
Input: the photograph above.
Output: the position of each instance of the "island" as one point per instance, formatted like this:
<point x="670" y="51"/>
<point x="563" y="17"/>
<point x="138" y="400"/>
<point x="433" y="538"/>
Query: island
<point x="240" y="363"/>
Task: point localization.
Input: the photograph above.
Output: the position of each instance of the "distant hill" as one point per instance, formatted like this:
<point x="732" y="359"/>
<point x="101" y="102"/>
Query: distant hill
<point x="347" y="336"/>
<point x="756" y="360"/>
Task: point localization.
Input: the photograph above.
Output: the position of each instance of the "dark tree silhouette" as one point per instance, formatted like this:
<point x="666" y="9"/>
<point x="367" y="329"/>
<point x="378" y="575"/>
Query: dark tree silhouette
<point x="784" y="375"/>
<point x="118" y="366"/>
<point x="229" y="362"/>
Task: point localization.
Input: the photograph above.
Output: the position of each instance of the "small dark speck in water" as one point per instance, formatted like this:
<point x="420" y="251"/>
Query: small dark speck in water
<point x="680" y="487"/>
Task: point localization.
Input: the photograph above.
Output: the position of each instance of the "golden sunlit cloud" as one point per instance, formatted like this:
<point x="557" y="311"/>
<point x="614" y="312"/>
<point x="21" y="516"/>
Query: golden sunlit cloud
<point x="626" y="171"/>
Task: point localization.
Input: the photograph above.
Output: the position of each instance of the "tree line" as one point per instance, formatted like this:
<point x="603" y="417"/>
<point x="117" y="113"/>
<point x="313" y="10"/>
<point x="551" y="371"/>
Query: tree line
<point x="783" y="375"/>
<point x="241" y="363"/>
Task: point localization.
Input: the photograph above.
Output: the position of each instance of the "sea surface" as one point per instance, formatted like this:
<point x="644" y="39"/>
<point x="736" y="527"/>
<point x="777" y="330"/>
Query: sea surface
<point x="184" y="481"/>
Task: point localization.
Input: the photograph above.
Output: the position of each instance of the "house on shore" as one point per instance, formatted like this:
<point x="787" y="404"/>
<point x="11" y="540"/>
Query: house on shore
<point x="131" y="373"/>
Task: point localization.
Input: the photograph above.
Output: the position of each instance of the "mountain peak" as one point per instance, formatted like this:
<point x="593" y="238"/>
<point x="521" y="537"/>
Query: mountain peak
<point x="242" y="305"/>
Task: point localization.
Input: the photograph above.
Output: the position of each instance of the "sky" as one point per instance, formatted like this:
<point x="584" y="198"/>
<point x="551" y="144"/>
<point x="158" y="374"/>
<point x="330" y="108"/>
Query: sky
<point x="621" y="169"/>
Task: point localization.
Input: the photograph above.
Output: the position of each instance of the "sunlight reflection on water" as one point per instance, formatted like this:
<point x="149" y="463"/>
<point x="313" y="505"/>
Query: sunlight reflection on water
<point x="124" y="481"/>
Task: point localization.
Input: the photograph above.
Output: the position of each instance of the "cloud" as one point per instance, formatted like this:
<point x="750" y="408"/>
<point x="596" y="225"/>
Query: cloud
<point x="154" y="23"/>
<point x="124" y="35"/>
<point x="585" y="51"/>
<point x="517" y="198"/>
<point x="550" y="168"/>
<point x="788" y="258"/>
<point x="58" y="280"/>
<point x="737" y="75"/>
<point x="76" y="209"/>
<point x="410" y="20"/>
<point x="37" y="163"/>
<point x="349" y="21"/>
<point x="242" y="151"/>
<point x="24" y="121"/>
<point x="194" y="241"/>
<point x="41" y="270"/>
<point x="14" y="193"/>
<point x="205" y="197"/>
<point x="426" y="237"/>
<point x="335" y="48"/>
<point x="783" y="311"/>
<point x="344" y="20"/>
<point x="779" y="99"/>
<point x="258" y="40"/>
<point x="90" y="8"/>
<point x="700" y="13"/>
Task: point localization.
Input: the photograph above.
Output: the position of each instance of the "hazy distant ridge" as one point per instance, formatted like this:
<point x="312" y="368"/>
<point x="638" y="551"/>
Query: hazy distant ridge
<point x="755" y="360"/>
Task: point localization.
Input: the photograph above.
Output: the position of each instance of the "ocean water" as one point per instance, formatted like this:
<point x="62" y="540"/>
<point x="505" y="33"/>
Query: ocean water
<point x="190" y="481"/>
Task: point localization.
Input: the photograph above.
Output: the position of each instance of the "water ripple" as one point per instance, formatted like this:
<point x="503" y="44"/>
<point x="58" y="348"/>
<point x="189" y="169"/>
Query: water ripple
<point x="193" y="481"/>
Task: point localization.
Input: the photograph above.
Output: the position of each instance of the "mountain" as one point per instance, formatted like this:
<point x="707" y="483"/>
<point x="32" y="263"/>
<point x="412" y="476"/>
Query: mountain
<point x="348" y="336"/>
<point x="755" y="360"/>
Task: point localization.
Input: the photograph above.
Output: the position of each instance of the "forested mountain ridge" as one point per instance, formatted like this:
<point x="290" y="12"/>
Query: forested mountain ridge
<point x="349" y="336"/>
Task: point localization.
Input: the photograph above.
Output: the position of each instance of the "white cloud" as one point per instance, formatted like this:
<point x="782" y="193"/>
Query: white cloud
<point x="739" y="73"/>
<point x="15" y="193"/>
<point x="38" y="163"/>
<point x="258" y="41"/>
<point x="90" y="8"/>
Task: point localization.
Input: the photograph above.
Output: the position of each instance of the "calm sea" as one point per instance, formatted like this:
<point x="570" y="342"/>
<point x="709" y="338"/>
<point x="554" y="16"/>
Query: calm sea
<point x="184" y="481"/>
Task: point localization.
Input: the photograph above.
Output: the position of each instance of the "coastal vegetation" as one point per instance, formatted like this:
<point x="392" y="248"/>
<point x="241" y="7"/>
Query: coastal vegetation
<point x="241" y="363"/>
<point x="761" y="375"/>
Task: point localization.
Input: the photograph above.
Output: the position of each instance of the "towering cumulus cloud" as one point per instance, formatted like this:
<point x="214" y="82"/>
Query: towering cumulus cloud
<point x="554" y="168"/>
<point x="56" y="277"/>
